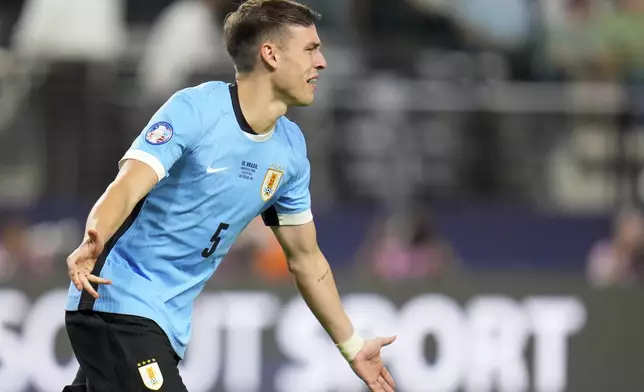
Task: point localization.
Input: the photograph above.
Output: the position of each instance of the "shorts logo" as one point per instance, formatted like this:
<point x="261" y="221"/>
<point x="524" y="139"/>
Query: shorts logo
<point x="159" y="133"/>
<point x="271" y="182"/>
<point x="151" y="374"/>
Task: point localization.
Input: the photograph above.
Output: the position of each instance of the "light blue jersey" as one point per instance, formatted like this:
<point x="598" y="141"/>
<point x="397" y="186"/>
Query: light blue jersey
<point x="215" y="176"/>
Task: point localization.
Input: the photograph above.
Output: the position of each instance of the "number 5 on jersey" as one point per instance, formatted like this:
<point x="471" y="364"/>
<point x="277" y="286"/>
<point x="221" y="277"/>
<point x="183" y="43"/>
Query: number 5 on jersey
<point x="215" y="240"/>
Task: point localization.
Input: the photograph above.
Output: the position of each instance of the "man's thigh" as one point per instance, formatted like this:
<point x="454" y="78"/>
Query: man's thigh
<point x="124" y="353"/>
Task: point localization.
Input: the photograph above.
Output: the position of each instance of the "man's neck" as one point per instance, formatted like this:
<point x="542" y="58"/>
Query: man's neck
<point x="258" y="103"/>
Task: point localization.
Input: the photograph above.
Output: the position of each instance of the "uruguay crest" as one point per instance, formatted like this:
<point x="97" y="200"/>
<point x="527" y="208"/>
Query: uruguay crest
<point x="151" y="374"/>
<point x="271" y="182"/>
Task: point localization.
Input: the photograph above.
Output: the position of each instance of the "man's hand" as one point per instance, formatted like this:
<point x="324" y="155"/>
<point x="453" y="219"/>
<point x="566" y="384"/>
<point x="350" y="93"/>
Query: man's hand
<point x="80" y="263"/>
<point x="369" y="367"/>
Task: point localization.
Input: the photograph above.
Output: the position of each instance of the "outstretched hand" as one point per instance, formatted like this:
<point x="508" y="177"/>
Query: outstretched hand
<point x="81" y="262"/>
<point x="369" y="367"/>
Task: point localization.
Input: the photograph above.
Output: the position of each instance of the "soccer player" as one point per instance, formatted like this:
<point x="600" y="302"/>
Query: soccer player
<point x="211" y="159"/>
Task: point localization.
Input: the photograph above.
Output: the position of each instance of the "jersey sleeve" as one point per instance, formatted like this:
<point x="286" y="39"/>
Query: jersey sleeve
<point x="293" y="207"/>
<point x="169" y="133"/>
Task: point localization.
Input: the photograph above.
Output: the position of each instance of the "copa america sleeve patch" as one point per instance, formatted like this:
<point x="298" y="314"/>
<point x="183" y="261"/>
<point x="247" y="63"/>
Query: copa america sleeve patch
<point x="159" y="133"/>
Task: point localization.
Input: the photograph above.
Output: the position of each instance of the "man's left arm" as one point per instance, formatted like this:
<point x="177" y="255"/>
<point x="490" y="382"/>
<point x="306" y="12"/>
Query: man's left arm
<point x="291" y="219"/>
<point x="315" y="283"/>
<point x="314" y="280"/>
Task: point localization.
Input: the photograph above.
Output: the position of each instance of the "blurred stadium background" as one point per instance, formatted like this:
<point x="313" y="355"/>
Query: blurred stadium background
<point x="477" y="183"/>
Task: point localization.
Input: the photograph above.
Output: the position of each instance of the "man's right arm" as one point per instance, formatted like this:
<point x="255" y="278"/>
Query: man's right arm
<point x="168" y="134"/>
<point x="134" y="180"/>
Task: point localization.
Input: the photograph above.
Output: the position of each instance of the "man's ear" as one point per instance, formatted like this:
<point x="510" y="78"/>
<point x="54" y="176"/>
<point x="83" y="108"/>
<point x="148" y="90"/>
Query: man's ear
<point x="268" y="53"/>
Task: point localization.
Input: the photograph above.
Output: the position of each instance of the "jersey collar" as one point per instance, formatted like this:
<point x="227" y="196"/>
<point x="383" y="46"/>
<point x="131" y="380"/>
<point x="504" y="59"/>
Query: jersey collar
<point x="241" y="120"/>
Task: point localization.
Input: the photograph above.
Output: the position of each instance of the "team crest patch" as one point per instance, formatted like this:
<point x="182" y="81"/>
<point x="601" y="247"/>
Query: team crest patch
<point x="151" y="374"/>
<point x="270" y="183"/>
<point x="159" y="133"/>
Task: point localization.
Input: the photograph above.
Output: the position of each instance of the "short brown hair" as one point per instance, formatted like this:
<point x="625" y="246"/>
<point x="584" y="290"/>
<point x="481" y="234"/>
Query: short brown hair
<point x="254" y="20"/>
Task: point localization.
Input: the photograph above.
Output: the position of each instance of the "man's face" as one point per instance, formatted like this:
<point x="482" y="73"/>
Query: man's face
<point x="300" y="61"/>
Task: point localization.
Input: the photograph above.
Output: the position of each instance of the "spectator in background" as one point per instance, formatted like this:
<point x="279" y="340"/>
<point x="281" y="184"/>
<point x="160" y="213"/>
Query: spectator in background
<point x="72" y="46"/>
<point x="504" y="24"/>
<point x="622" y="33"/>
<point x="9" y="14"/>
<point x="71" y="30"/>
<point x="572" y="45"/>
<point x="407" y="246"/>
<point x="186" y="38"/>
<point x="500" y="24"/>
<point x="399" y="27"/>
<point x="597" y="44"/>
<point x="18" y="252"/>
<point x="619" y="261"/>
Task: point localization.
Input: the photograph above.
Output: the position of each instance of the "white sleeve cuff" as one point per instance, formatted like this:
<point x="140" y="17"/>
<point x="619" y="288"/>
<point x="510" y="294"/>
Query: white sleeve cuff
<point x="295" y="219"/>
<point x="147" y="158"/>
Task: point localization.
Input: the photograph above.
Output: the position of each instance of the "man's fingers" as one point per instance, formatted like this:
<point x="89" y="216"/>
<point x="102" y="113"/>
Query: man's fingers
<point x="375" y="387"/>
<point x="79" y="281"/>
<point x="77" y="257"/>
<point x="385" y="386"/>
<point x="384" y="373"/>
<point x="387" y="341"/>
<point x="72" y="259"/>
<point x="98" y="279"/>
<point x="72" y="271"/>
<point x="88" y="287"/>
<point x="75" y="278"/>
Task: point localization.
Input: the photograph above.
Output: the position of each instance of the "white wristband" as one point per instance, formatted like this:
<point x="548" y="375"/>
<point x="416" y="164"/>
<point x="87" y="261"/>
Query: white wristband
<point x="351" y="347"/>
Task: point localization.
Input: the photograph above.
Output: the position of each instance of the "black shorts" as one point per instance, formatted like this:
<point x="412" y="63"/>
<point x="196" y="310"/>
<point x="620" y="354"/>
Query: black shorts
<point x="119" y="353"/>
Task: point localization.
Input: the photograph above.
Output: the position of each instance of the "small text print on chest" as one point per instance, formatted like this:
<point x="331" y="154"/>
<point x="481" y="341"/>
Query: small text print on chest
<point x="247" y="170"/>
